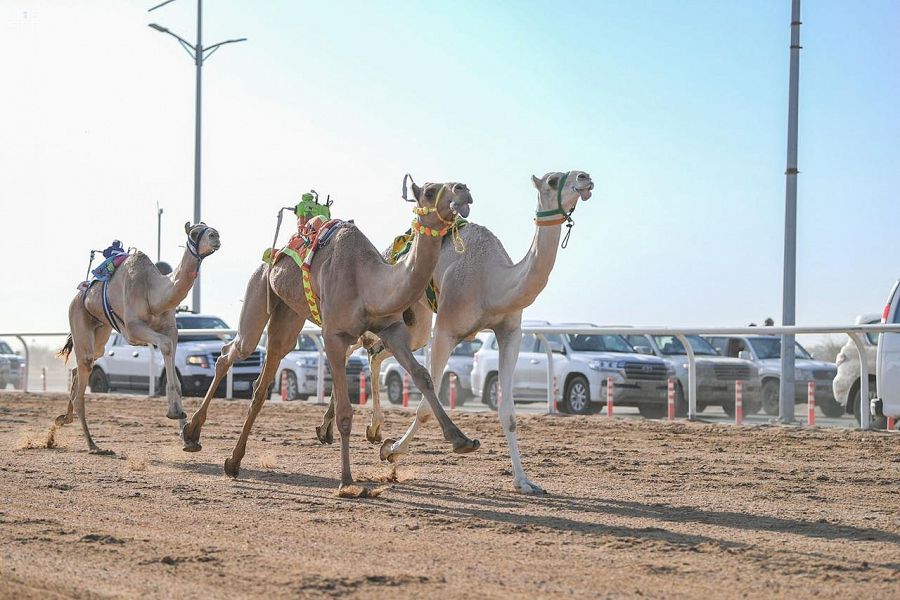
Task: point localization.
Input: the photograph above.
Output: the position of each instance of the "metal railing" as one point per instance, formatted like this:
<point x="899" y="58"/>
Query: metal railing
<point x="855" y="332"/>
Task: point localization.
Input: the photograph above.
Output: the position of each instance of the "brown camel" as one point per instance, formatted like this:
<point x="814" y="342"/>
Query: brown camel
<point x="357" y="291"/>
<point x="142" y="305"/>
<point x="482" y="289"/>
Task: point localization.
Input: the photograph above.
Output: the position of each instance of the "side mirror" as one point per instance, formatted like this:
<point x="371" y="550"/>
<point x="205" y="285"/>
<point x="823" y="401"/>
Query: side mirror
<point x="557" y="347"/>
<point x="18" y="353"/>
<point x="644" y="350"/>
<point x="745" y="355"/>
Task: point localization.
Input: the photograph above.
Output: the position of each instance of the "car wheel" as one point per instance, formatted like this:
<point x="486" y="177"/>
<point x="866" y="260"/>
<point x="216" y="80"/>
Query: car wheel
<point x="769" y="396"/>
<point x="444" y="394"/>
<point x="289" y="385"/>
<point x="394" y="388"/>
<point x="830" y="407"/>
<point x="681" y="405"/>
<point x="877" y="422"/>
<point x="653" y="411"/>
<point x="578" y="396"/>
<point x="491" y="392"/>
<point x="161" y="390"/>
<point x="98" y="381"/>
<point x="728" y="407"/>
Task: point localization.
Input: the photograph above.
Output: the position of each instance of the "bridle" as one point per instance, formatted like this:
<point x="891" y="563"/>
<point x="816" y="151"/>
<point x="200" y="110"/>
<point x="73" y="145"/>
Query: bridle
<point x="450" y="226"/>
<point x="558" y="215"/>
<point x="194" y="247"/>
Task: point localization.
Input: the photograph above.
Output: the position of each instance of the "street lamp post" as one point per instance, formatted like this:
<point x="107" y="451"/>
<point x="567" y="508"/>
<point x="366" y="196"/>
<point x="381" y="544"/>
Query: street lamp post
<point x="159" y="213"/>
<point x="199" y="54"/>
<point x="789" y="291"/>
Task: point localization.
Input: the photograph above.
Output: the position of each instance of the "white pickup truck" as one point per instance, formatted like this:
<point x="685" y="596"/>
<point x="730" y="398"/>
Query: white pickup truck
<point x="887" y="365"/>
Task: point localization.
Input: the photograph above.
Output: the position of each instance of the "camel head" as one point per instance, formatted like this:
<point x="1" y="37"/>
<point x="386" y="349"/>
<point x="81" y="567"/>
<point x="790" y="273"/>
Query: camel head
<point x="440" y="203"/>
<point x="202" y="239"/>
<point x="564" y="189"/>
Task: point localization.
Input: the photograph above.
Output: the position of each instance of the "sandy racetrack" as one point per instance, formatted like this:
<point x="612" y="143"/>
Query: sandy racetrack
<point x="635" y="509"/>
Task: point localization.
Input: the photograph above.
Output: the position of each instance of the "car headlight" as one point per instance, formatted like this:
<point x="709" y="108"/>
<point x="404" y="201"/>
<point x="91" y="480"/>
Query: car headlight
<point x="198" y="360"/>
<point x="308" y="362"/>
<point x="608" y="365"/>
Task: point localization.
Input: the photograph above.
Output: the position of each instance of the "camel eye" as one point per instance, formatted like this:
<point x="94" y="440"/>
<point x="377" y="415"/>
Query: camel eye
<point x="553" y="181"/>
<point x="429" y="193"/>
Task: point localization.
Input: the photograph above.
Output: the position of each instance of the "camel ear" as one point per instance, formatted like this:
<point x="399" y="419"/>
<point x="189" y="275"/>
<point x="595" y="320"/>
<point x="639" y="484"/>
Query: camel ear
<point x="187" y="226"/>
<point x="417" y="192"/>
<point x="536" y="181"/>
<point x="415" y="188"/>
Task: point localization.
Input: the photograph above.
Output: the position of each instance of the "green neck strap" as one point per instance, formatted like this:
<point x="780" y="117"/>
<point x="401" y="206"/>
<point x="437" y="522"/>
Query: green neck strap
<point x="544" y="217"/>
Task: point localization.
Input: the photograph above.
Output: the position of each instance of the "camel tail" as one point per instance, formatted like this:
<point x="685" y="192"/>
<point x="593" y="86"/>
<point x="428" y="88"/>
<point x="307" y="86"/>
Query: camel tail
<point x="66" y="350"/>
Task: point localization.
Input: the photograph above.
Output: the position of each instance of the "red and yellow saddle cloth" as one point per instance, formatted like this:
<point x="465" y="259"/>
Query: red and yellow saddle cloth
<point x="302" y="246"/>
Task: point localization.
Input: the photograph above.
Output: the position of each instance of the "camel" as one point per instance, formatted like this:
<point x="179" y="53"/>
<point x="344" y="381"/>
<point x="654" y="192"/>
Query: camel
<point x="141" y="306"/>
<point x="482" y="289"/>
<point x="354" y="289"/>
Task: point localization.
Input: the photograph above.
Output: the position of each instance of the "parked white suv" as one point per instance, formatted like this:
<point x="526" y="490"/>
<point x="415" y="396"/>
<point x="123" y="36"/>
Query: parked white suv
<point x="459" y="363"/>
<point x="765" y="352"/>
<point x="123" y="367"/>
<point x="299" y="371"/>
<point x="581" y="364"/>
<point x="846" y="383"/>
<point x="887" y="372"/>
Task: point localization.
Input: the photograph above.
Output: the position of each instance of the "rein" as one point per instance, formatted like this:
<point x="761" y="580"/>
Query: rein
<point x="558" y="215"/>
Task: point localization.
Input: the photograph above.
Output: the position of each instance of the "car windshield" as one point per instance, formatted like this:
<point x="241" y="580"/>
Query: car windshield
<point x="670" y="345"/>
<point x="771" y="348"/>
<point x="5" y="349"/>
<point x="306" y="344"/>
<point x="597" y="343"/>
<point x="201" y="323"/>
<point x="467" y="348"/>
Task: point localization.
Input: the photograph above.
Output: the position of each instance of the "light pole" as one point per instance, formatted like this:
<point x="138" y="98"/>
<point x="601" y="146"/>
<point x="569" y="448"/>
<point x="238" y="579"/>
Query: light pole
<point x="789" y="289"/>
<point x="199" y="54"/>
<point x="159" y="212"/>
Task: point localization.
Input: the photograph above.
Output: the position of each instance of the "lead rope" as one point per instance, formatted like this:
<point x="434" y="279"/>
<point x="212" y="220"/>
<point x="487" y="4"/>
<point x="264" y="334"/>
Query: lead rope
<point x="568" y="215"/>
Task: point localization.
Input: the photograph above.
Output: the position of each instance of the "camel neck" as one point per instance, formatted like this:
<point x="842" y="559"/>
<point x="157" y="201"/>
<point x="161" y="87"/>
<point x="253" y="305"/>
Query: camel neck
<point x="530" y="275"/>
<point x="182" y="280"/>
<point x="409" y="276"/>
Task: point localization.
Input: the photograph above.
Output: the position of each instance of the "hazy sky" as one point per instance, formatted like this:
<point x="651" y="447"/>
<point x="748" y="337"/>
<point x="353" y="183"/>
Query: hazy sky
<point x="677" y="109"/>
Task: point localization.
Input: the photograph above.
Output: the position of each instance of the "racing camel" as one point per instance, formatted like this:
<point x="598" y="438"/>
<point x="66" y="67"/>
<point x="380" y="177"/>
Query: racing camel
<point x="483" y="289"/>
<point x="140" y="303"/>
<point x="353" y="289"/>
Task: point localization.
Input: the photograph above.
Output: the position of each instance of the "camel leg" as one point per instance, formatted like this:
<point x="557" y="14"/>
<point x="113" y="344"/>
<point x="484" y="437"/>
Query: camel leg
<point x="70" y="410"/>
<point x="281" y="340"/>
<point x="252" y="322"/>
<point x="165" y="341"/>
<point x="336" y="350"/>
<point x="84" y="370"/>
<point x="509" y="342"/>
<point x="396" y="339"/>
<point x="373" y="430"/>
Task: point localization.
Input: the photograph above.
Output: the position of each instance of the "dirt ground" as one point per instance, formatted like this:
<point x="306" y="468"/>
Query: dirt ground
<point x="634" y="509"/>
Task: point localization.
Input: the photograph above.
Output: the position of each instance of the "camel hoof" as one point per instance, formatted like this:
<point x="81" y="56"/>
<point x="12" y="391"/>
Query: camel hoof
<point x="385" y="451"/>
<point x="63" y="420"/>
<point x="351" y="490"/>
<point x="373" y="434"/>
<point x="325" y="434"/>
<point x="192" y="446"/>
<point x="232" y="468"/>
<point x="99" y="452"/>
<point x="464" y="445"/>
<point x="176" y="416"/>
<point x="529" y="487"/>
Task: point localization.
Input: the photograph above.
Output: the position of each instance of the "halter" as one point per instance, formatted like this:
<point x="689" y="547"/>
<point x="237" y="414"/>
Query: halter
<point x="194" y="248"/>
<point x="450" y="226"/>
<point x="543" y="218"/>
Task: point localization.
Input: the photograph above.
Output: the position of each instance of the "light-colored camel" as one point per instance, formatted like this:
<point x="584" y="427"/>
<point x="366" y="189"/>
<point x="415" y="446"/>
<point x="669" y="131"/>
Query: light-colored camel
<point x="145" y="302"/>
<point x="357" y="291"/>
<point x="483" y="289"/>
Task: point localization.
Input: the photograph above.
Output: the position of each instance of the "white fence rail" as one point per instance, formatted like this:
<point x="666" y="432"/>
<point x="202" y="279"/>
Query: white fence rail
<point x="855" y="332"/>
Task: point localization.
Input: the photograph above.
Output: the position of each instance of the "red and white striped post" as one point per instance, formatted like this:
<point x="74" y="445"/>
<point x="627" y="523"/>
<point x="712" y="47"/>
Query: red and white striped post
<point x="609" y="396"/>
<point x="362" y="388"/>
<point x="21" y="378"/>
<point x="670" y="399"/>
<point x="44" y="378"/>
<point x="811" y="403"/>
<point x="555" y="394"/>
<point x="405" y="390"/>
<point x="738" y="402"/>
<point x="284" y="386"/>
<point x="452" y="391"/>
<point x="890" y="423"/>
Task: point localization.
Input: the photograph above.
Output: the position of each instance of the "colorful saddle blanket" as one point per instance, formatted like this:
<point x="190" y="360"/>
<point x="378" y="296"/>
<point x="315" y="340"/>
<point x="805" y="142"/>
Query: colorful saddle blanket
<point x="402" y="245"/>
<point x="302" y="246"/>
<point x="103" y="274"/>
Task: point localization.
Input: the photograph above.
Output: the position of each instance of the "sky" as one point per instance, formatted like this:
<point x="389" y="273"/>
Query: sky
<point x="678" y="110"/>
